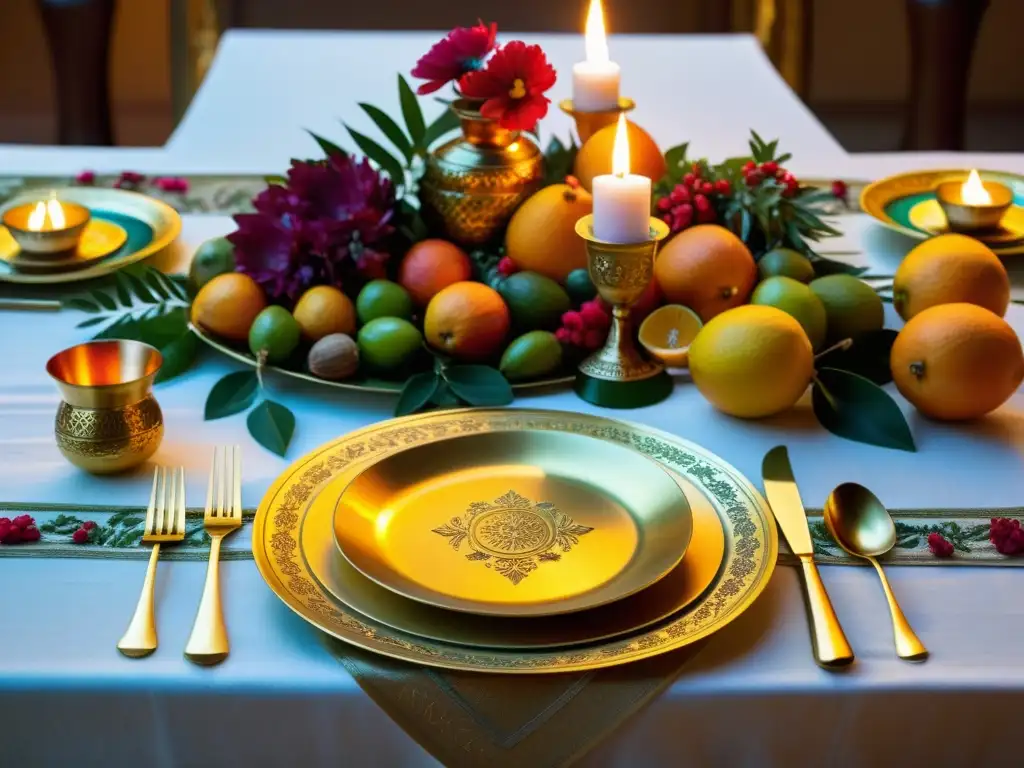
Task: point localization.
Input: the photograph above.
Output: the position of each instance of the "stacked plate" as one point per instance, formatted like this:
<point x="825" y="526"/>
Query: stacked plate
<point x="514" y="540"/>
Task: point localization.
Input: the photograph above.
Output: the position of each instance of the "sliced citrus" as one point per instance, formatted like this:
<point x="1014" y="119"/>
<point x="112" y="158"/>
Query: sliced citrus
<point x="667" y="332"/>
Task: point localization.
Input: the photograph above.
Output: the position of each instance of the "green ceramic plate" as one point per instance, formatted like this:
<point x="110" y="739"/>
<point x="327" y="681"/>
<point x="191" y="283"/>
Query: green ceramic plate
<point x="906" y="203"/>
<point x="151" y="226"/>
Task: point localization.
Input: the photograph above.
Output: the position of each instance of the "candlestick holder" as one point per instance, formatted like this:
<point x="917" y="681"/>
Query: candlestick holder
<point x="46" y="241"/>
<point x="618" y="375"/>
<point x="972" y="217"/>
<point x="589" y="123"/>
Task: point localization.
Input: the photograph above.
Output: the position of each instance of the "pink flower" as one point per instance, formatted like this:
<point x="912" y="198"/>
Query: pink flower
<point x="81" y="536"/>
<point x="462" y="50"/>
<point x="512" y="86"/>
<point x="172" y="184"/>
<point x="88" y="525"/>
<point x="86" y="177"/>
<point x="1006" y="536"/>
<point x="939" y="546"/>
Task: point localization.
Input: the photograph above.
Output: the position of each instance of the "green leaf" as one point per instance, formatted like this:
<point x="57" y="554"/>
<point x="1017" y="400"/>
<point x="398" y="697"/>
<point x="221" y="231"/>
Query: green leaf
<point x="745" y="224"/>
<point x="138" y="287"/>
<point x="329" y="147"/>
<point x="675" y="159"/>
<point x="123" y="288"/>
<point x="279" y="181"/>
<point x="379" y="155"/>
<point x="446" y="122"/>
<point x="91" y="321"/>
<point x="82" y="305"/>
<point x="412" y="113"/>
<point x="443" y="397"/>
<point x="823" y="266"/>
<point x="272" y="426"/>
<point x="853" y="407"/>
<point x="867" y="357"/>
<point x="559" y="160"/>
<point x="104" y="301"/>
<point x="178" y="356"/>
<point x="390" y="129"/>
<point x="479" y="385"/>
<point x="172" y="287"/>
<point x="417" y="393"/>
<point x="232" y="394"/>
<point x="156" y="285"/>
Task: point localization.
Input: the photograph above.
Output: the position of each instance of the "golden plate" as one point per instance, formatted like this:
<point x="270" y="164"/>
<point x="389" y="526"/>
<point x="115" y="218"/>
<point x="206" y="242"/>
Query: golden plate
<point x="751" y="541"/>
<point x="384" y="386"/>
<point x="100" y="238"/>
<point x="684" y="584"/>
<point x="928" y="215"/>
<point x="893" y="200"/>
<point x="528" y="523"/>
<point x="162" y="221"/>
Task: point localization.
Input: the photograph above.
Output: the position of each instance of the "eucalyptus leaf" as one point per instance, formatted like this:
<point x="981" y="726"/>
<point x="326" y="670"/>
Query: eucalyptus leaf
<point x="390" y="165"/>
<point x="417" y="393"/>
<point x="104" y="300"/>
<point x="233" y="394"/>
<point x="479" y="385"/>
<point x="412" y="113"/>
<point x="391" y="129"/>
<point x="178" y="356"/>
<point x="82" y="305"/>
<point x="329" y="147"/>
<point x="856" y="408"/>
<point x="446" y="122"/>
<point x="272" y="426"/>
<point x="868" y="356"/>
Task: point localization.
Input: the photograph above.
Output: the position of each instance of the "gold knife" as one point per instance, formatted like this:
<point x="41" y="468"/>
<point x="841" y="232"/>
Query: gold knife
<point x="831" y="648"/>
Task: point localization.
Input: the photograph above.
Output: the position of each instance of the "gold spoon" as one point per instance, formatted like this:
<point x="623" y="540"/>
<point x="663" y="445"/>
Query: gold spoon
<point x="861" y="525"/>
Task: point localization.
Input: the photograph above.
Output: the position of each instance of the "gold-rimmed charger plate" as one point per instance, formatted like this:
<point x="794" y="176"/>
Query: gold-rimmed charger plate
<point x="100" y="238"/>
<point x="929" y="216"/>
<point x="527" y="523"/>
<point x="669" y="595"/>
<point x="161" y="220"/>
<point x="751" y="538"/>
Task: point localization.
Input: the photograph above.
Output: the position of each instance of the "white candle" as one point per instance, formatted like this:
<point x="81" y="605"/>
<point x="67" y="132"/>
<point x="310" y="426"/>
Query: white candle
<point x="622" y="201"/>
<point x="595" y="82"/>
<point x="973" y="192"/>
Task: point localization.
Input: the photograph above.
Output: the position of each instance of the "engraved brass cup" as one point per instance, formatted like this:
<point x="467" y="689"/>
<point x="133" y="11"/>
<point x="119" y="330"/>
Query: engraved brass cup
<point x="621" y="273"/>
<point x="967" y="217"/>
<point x="108" y="420"/>
<point x="589" y="123"/>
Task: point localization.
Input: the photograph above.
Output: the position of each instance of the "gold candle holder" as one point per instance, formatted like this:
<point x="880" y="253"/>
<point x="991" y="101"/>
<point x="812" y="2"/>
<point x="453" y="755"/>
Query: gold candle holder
<point x="43" y="238"/>
<point x="589" y="123"/>
<point x="973" y="217"/>
<point x="618" y="375"/>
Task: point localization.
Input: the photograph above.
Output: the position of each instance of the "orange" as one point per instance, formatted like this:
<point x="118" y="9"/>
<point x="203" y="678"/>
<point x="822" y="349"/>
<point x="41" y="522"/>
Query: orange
<point x="227" y="306"/>
<point x="957" y="361"/>
<point x="595" y="157"/>
<point x="324" y="310"/>
<point x="949" y="269"/>
<point x="467" y="320"/>
<point x="667" y="333"/>
<point x="542" y="237"/>
<point x="706" y="268"/>
<point x="431" y="265"/>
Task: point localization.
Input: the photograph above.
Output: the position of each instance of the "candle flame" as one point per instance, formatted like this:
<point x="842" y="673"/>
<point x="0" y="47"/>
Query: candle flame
<point x="973" y="192"/>
<point x="620" y="150"/>
<point x="47" y="216"/>
<point x="596" y="40"/>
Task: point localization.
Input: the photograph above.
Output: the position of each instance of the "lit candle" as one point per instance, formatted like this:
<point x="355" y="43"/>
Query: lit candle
<point x="595" y="82"/>
<point x="47" y="216"/>
<point x="622" y="201"/>
<point x="973" y="192"/>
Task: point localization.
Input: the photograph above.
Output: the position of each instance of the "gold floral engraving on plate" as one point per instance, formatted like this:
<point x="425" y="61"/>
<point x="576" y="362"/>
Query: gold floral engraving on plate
<point x="751" y="541"/>
<point x="513" y="532"/>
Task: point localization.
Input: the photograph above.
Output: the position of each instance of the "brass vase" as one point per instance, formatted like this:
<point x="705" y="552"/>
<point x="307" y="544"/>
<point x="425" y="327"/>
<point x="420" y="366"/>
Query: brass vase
<point x="108" y="420"/>
<point x="473" y="184"/>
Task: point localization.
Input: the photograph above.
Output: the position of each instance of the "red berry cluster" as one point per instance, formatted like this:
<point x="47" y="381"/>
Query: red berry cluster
<point x="1006" y="536"/>
<point x="86" y="533"/>
<point x="507" y="267"/>
<point x="587" y="328"/>
<point x="21" y="529"/>
<point x="939" y="546"/>
<point x="690" y="202"/>
<point x="754" y="174"/>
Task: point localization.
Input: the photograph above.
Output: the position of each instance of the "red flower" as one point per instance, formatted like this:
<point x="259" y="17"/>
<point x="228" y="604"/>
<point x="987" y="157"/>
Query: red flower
<point x="171" y="184"/>
<point x="507" y="267"/>
<point x="512" y="86"/>
<point x="86" y="177"/>
<point x="88" y="525"/>
<point x="81" y="536"/>
<point x="939" y="546"/>
<point x="1007" y="536"/>
<point x="30" y="533"/>
<point x="23" y="521"/>
<point x="462" y="51"/>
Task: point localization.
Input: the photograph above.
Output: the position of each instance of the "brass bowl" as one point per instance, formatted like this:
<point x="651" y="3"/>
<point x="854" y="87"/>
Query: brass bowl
<point x="972" y="218"/>
<point x="108" y="420"/>
<point x="53" y="241"/>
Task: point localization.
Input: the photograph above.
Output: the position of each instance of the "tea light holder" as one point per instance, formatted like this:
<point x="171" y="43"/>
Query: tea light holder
<point x="589" y="123"/>
<point x="33" y="227"/>
<point x="973" y="217"/>
<point x="618" y="375"/>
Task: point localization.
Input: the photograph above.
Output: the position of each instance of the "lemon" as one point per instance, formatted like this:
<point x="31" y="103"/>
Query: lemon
<point x="851" y="306"/>
<point x="275" y="333"/>
<point x="796" y="299"/>
<point x="667" y="332"/>
<point x="227" y="306"/>
<point x="752" y="361"/>
<point x="324" y="310"/>
<point x="785" y="262"/>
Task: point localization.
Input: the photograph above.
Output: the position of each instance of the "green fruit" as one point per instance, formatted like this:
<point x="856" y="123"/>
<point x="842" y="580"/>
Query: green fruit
<point x="275" y="332"/>
<point x="535" y="302"/>
<point x="212" y="258"/>
<point x="580" y="286"/>
<point x="383" y="298"/>
<point x="532" y="355"/>
<point x="388" y="343"/>
<point x="785" y="262"/>
<point x="851" y="306"/>
<point x="798" y="301"/>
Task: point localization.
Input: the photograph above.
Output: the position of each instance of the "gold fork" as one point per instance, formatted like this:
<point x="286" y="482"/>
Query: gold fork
<point x="208" y="643"/>
<point x="165" y="522"/>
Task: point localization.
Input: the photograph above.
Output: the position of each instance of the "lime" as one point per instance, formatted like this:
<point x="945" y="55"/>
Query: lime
<point x="851" y="305"/>
<point x="383" y="298"/>
<point x="388" y="343"/>
<point x="795" y="299"/>
<point x="212" y="258"/>
<point x="532" y="355"/>
<point x="275" y="332"/>
<point x="535" y="302"/>
<point x="785" y="262"/>
<point x="580" y="286"/>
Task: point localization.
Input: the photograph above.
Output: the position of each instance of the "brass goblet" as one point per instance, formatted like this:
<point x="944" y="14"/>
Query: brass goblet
<point x="589" y="123"/>
<point x="618" y="375"/>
